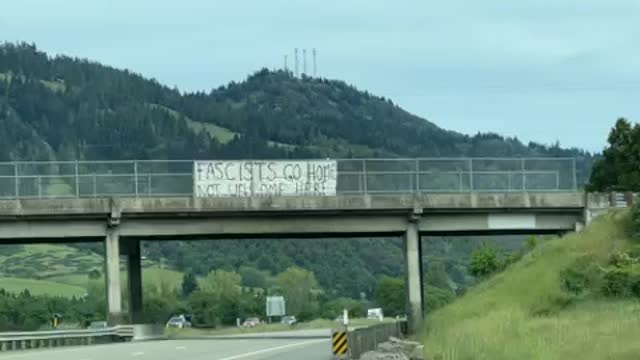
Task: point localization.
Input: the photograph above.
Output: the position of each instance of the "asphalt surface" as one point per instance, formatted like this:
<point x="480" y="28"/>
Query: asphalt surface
<point x="202" y="349"/>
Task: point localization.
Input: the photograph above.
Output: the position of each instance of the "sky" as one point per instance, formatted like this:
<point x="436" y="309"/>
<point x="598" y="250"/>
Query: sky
<point x="541" y="70"/>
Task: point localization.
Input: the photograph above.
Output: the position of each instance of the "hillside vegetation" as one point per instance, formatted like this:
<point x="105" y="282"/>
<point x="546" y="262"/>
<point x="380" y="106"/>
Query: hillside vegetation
<point x="571" y="298"/>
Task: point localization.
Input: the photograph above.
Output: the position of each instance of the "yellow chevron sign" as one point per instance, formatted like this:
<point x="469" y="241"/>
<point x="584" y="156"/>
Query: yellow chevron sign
<point x="340" y="343"/>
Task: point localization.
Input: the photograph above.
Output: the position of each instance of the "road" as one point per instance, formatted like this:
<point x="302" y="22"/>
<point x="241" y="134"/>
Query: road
<point x="203" y="349"/>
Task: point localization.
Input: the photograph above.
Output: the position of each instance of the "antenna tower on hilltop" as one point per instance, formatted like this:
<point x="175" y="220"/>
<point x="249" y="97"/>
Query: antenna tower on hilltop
<point x="315" y="69"/>
<point x="296" y="55"/>
<point x="304" y="61"/>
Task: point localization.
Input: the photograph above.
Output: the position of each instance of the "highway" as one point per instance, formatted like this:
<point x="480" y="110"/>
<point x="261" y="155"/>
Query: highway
<point x="202" y="349"/>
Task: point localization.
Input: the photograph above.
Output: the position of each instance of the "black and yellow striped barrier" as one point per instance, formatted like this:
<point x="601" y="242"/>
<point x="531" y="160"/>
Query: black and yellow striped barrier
<point x="340" y="343"/>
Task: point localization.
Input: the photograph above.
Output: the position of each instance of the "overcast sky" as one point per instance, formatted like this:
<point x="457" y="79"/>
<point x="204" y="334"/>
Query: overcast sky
<point x="542" y="70"/>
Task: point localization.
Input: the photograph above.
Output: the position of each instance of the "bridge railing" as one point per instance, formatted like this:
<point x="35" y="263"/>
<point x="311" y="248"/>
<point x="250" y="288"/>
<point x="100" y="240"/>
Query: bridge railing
<point x="167" y="178"/>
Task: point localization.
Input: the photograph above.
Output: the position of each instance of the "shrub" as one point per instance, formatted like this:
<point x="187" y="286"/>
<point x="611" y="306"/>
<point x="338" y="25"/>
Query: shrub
<point x="514" y="257"/>
<point x="532" y="242"/>
<point x="581" y="275"/>
<point x="635" y="220"/>
<point x="484" y="261"/>
<point x="621" y="259"/>
<point x="617" y="282"/>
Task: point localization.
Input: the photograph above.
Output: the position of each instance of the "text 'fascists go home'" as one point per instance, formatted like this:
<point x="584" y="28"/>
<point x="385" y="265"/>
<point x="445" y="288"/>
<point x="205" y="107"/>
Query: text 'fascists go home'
<point x="265" y="178"/>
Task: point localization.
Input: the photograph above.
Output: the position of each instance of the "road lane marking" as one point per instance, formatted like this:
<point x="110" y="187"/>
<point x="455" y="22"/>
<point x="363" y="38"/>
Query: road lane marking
<point x="137" y="353"/>
<point x="181" y="348"/>
<point x="277" y="348"/>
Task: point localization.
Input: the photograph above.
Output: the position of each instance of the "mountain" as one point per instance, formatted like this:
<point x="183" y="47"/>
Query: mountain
<point x="66" y="108"/>
<point x="63" y="108"/>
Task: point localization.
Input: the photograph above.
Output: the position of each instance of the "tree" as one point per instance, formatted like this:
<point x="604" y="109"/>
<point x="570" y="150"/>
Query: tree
<point x="436" y="297"/>
<point x="436" y="275"/>
<point x="189" y="284"/>
<point x="334" y="308"/>
<point x="222" y="282"/>
<point x="484" y="261"/>
<point x="619" y="167"/>
<point x="297" y="286"/>
<point x="160" y="301"/>
<point x="390" y="295"/>
<point x="218" y="299"/>
<point x="253" y="278"/>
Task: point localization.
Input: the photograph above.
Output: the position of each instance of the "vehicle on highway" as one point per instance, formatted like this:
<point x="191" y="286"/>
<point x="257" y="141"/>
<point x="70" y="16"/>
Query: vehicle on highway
<point x="179" y="322"/>
<point x="375" y="314"/>
<point x="251" y="322"/>
<point x="95" y="325"/>
<point x="289" y="320"/>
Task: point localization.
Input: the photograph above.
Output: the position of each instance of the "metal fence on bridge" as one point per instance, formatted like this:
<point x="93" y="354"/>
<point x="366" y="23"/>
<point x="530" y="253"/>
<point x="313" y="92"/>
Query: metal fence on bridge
<point x="156" y="178"/>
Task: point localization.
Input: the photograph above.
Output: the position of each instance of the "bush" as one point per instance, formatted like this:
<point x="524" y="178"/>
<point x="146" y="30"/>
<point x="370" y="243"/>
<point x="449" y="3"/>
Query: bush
<point x="621" y="259"/>
<point x="512" y="259"/>
<point x="532" y="242"/>
<point x="635" y="220"/>
<point x="581" y="275"/>
<point x="484" y="261"/>
<point x="617" y="282"/>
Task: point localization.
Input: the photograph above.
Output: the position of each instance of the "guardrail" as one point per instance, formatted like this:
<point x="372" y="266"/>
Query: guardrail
<point x="12" y="341"/>
<point x="366" y="339"/>
<point x="166" y="178"/>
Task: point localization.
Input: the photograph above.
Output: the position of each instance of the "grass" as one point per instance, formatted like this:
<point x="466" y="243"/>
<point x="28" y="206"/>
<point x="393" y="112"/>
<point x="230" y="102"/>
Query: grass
<point x="524" y="313"/>
<point x="156" y="276"/>
<point x="223" y="135"/>
<point x="63" y="270"/>
<point x="41" y="287"/>
<point x="46" y="261"/>
<point x="55" y="86"/>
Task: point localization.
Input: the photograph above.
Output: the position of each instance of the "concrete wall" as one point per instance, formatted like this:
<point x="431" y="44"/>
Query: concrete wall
<point x="91" y="208"/>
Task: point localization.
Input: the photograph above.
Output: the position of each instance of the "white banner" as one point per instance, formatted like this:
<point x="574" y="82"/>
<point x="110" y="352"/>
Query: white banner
<point x="265" y="178"/>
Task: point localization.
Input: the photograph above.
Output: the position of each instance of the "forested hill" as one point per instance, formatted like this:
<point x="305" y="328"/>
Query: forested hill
<point x="61" y="108"/>
<point x="66" y="108"/>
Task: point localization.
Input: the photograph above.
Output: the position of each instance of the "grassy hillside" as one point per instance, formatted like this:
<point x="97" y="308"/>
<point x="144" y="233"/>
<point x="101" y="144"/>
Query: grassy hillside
<point x="60" y="270"/>
<point x="527" y="312"/>
<point x="41" y="287"/>
<point x="46" y="261"/>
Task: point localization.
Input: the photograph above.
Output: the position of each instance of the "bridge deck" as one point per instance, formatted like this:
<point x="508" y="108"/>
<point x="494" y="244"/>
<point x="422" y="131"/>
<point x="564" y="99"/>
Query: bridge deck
<point x="30" y="220"/>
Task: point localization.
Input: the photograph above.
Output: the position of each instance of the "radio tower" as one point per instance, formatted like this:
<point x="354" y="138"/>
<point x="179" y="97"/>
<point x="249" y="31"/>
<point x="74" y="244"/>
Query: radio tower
<point x="296" y="61"/>
<point x="314" y="63"/>
<point x="304" y="61"/>
<point x="286" y="63"/>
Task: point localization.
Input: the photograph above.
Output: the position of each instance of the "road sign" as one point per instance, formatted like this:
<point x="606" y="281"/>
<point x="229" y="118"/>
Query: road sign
<point x="276" y="306"/>
<point x="340" y="343"/>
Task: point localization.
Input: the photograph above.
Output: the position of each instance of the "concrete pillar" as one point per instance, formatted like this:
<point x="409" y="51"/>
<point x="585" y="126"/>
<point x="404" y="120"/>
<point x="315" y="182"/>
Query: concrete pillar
<point x="112" y="276"/>
<point x="413" y="276"/>
<point x="134" y="270"/>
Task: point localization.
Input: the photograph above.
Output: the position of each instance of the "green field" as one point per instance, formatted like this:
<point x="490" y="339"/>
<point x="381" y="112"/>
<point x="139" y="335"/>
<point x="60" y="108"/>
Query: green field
<point x="45" y="261"/>
<point x="41" y="287"/>
<point x="63" y="271"/>
<point x="525" y="313"/>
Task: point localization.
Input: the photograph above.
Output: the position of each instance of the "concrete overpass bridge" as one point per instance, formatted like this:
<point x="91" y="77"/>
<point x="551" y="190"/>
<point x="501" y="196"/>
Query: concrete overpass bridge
<point x="122" y="203"/>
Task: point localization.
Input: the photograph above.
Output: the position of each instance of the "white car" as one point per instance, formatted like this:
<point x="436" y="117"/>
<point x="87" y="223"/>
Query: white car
<point x="179" y="322"/>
